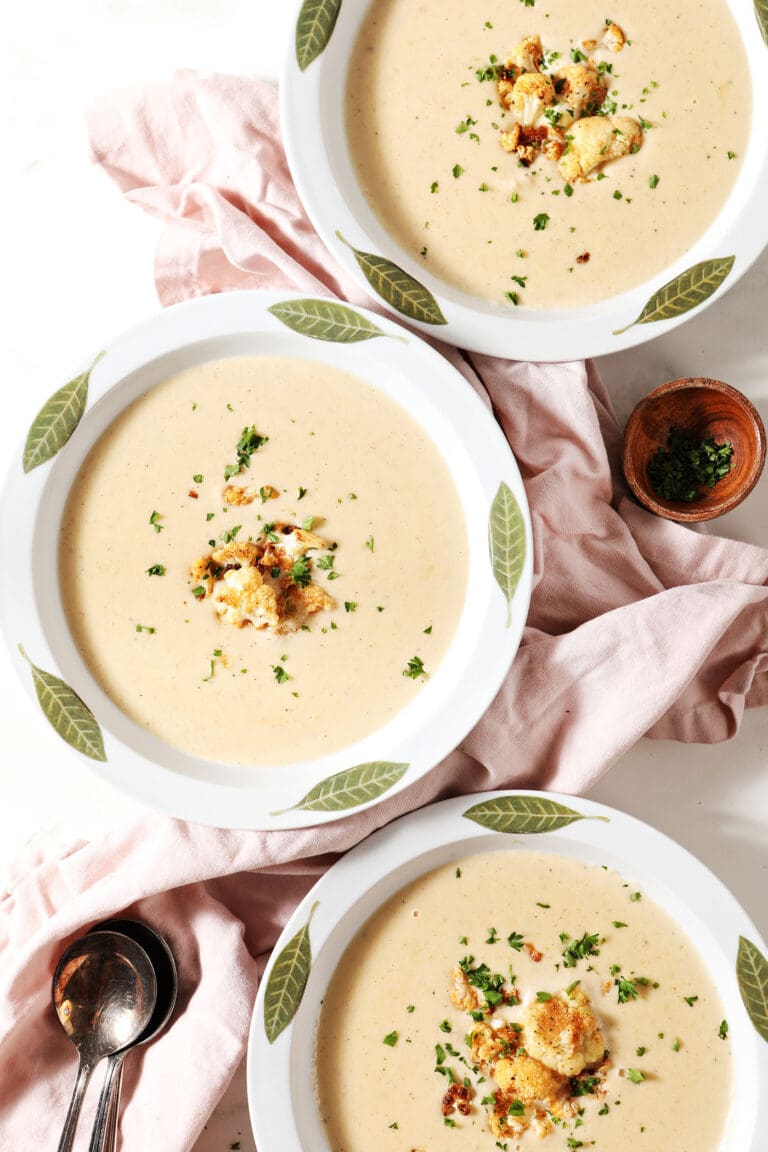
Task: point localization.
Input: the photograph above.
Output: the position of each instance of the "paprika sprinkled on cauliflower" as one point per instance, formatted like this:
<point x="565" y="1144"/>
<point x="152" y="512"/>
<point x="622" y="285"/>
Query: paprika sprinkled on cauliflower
<point x="527" y="56"/>
<point x="530" y="1081"/>
<point x="531" y="94"/>
<point x="583" y="91"/>
<point x="613" y="38"/>
<point x="563" y="1033"/>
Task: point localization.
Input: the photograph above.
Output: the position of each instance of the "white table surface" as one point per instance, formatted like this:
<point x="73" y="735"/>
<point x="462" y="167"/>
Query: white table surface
<point x="77" y="265"/>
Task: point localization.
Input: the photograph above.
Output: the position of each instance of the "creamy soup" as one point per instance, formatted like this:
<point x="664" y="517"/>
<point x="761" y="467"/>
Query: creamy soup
<point x="520" y="1000"/>
<point x="426" y="120"/>
<point x="262" y="560"/>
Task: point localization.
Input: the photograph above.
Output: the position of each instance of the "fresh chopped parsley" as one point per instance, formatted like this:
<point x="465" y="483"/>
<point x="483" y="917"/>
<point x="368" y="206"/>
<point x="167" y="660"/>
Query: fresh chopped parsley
<point x="512" y="297"/>
<point x="414" y="668"/>
<point x="635" y="897"/>
<point x="156" y="570"/>
<point x="198" y="592"/>
<point x="391" y="1038"/>
<point x="229" y="534"/>
<point x="493" y="936"/>
<point x="576" y="950"/>
<point x="568" y="190"/>
<point x="515" y="940"/>
<point x="445" y="1026"/>
<point x="410" y="1008"/>
<point x="584" y="1085"/>
<point x="350" y="605"/>
<point x="146" y="628"/>
<point x="306" y="524"/>
<point x="517" y="1108"/>
<point x="543" y="997"/>
<point x="370" y="544"/>
<point x="487" y="982"/>
<point x="723" y="1031"/>
<point x="155" y="522"/>
<point x="635" y="1075"/>
<point x="627" y="989"/>
<point x="301" y="573"/>
<point x="301" y="493"/>
<point x="519" y="280"/>
<point x="619" y="924"/>
<point x="653" y="181"/>
<point x="250" y="441"/>
<point x="457" y="171"/>
<point x="280" y="673"/>
<point x="198" y="477"/>
<point x="540" y="222"/>
<point x="434" y="187"/>
<point x="690" y="1000"/>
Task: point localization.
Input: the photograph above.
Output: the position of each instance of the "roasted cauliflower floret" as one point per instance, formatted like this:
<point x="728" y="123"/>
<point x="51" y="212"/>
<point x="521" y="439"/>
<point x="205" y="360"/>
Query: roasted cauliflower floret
<point x="242" y="598"/>
<point x="613" y="38"/>
<point x="563" y="1033"/>
<point x="527" y="56"/>
<point x="530" y="1081"/>
<point x="488" y="1044"/>
<point x="582" y="92"/>
<point x="596" y="140"/>
<point x="235" y="495"/>
<point x="527" y="143"/>
<point x="463" y="995"/>
<point x="532" y="93"/>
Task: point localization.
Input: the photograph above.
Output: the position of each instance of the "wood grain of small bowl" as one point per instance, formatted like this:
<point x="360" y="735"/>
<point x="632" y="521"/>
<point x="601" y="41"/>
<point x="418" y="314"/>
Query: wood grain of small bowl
<point x="702" y="407"/>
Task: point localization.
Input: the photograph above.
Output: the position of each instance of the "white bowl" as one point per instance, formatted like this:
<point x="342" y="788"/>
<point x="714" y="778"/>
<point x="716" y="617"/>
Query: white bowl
<point x="416" y="739"/>
<point x="312" y="117"/>
<point x="284" y="1113"/>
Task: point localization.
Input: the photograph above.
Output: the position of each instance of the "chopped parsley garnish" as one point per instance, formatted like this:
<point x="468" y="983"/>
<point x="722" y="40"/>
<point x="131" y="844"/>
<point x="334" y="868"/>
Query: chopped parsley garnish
<point x="198" y="477"/>
<point x="391" y="1038"/>
<point x="568" y="190"/>
<point x="146" y="628"/>
<point x="731" y="155"/>
<point x="677" y="472"/>
<point x="209" y="515"/>
<point x="410" y="1008"/>
<point x="627" y="990"/>
<point x="465" y="125"/>
<point x="519" y="280"/>
<point x="540" y="222"/>
<point x="617" y="195"/>
<point x="572" y="987"/>
<point x="280" y="673"/>
<point x="543" y="997"/>
<point x="457" y="171"/>
<point x="640" y="1051"/>
<point x="653" y="181"/>
<point x="690" y="1000"/>
<point x="301" y="573"/>
<point x="229" y="534"/>
<point x="576" y="950"/>
<point x="635" y="1075"/>
<point x="307" y="523"/>
<point x="515" y="940"/>
<point x="493" y="936"/>
<point x="517" y="1108"/>
<point x="198" y="592"/>
<point x="619" y="924"/>
<point x="155" y="522"/>
<point x="512" y="297"/>
<point x="540" y="905"/>
<point x="414" y="668"/>
<point x="370" y="544"/>
<point x="156" y="570"/>
<point x="487" y="982"/>
<point x="350" y="605"/>
<point x="577" y="56"/>
<point x="249" y="442"/>
<point x="301" y="493"/>
<point x="445" y="1026"/>
<point x="434" y="187"/>
<point x="635" y="897"/>
<point x="677" y="1044"/>
<point x="584" y="1086"/>
<point x="723" y="1031"/>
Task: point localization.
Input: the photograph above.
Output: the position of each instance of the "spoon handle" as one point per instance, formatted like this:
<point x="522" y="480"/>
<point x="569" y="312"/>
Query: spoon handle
<point x="99" y="1134"/>
<point x="110" y="1144"/>
<point x="84" y="1072"/>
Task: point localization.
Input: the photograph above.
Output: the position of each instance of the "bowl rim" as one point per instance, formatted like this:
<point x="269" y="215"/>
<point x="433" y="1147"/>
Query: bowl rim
<point x="554" y="335"/>
<point x="685" y="514"/>
<point x="357" y="884"/>
<point x="404" y="750"/>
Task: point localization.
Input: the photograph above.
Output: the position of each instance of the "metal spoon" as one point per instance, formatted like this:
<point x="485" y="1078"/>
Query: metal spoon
<point x="104" y="991"/>
<point x="104" y="1135"/>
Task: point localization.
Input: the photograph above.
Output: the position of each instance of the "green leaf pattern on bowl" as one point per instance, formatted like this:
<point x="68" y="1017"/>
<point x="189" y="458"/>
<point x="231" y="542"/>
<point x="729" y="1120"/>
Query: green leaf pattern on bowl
<point x="326" y="320"/>
<point x="397" y="287"/>
<point x="688" y="290"/>
<point x="287" y="981"/>
<point x="66" y="713"/>
<point x="314" y="28"/>
<point x="350" y="788"/>
<point x="752" y="974"/>
<point x="57" y="420"/>
<point x="506" y="543"/>
<point x="524" y="815"/>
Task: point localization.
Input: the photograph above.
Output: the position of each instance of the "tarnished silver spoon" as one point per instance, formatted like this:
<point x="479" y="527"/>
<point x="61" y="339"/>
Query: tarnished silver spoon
<point x="104" y="1135"/>
<point x="104" y="993"/>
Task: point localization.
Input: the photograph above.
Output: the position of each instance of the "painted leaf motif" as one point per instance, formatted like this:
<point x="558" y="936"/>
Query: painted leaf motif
<point x="524" y="815"/>
<point x="57" y="420"/>
<point x="506" y="543"/>
<point x="761" y="11"/>
<point x="314" y="28"/>
<point x="752" y="973"/>
<point x="685" y="292"/>
<point x="397" y="287"/>
<point x="326" y="320"/>
<point x="351" y="788"/>
<point x="66" y="713"/>
<point x="287" y="981"/>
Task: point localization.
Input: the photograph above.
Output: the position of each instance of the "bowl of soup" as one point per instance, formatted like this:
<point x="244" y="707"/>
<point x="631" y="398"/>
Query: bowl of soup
<point x="534" y="181"/>
<point x="272" y="560"/>
<point x="515" y="970"/>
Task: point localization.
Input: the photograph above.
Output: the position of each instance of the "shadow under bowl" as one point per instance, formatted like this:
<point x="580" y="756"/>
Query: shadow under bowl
<point x="703" y="408"/>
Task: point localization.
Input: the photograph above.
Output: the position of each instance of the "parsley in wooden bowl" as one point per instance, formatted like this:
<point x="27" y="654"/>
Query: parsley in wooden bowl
<point x="693" y="449"/>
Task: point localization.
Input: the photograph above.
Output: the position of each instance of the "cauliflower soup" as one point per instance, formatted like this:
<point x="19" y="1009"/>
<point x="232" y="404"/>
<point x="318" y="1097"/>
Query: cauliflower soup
<point x="263" y="560"/>
<point x="543" y="154"/>
<point x="516" y="1000"/>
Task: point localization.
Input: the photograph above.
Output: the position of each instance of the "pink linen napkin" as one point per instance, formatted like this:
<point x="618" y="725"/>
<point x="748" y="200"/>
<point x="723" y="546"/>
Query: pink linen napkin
<point x="637" y="626"/>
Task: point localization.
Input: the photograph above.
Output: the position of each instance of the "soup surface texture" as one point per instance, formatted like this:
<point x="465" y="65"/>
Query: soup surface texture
<point x="424" y="124"/>
<point x="484" y="997"/>
<point x="389" y="568"/>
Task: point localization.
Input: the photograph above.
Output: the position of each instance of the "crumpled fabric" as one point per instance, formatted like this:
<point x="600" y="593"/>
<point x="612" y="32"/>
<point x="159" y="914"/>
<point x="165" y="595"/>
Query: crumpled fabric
<point x="637" y="626"/>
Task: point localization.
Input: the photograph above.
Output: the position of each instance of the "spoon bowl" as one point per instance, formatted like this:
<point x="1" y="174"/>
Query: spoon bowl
<point x="104" y="993"/>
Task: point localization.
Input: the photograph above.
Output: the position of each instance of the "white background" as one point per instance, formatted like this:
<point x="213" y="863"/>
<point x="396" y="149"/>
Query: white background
<point x="77" y="267"/>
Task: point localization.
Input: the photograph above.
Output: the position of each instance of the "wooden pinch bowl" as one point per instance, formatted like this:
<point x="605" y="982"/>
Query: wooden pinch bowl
<point x="703" y="408"/>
